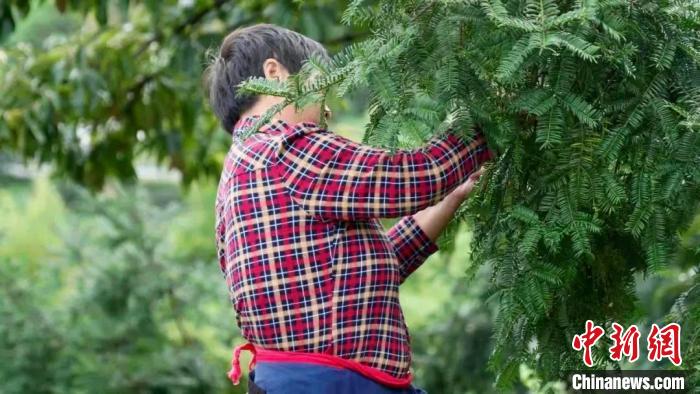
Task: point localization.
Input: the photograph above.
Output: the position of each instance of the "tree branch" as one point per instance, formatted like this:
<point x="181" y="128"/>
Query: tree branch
<point x="193" y="19"/>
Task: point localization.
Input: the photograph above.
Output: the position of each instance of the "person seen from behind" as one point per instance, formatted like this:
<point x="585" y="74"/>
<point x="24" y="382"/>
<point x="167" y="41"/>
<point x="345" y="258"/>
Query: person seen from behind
<point x="312" y="274"/>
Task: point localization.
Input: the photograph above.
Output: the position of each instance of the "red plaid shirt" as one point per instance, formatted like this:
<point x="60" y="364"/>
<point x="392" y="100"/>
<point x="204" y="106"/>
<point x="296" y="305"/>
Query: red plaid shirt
<point x="308" y="265"/>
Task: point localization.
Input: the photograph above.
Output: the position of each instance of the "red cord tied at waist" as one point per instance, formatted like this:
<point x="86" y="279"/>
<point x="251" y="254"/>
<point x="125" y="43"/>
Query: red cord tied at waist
<point x="314" y="358"/>
<point x="235" y="372"/>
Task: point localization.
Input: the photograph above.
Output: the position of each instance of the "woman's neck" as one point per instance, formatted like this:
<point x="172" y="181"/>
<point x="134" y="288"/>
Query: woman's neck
<point x="288" y="114"/>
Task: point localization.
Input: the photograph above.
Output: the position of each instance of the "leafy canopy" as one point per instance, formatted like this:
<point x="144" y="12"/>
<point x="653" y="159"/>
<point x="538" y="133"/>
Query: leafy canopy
<point x="593" y="107"/>
<point x="92" y="87"/>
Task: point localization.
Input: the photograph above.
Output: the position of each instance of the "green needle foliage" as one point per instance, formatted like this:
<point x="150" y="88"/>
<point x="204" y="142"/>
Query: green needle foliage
<point x="593" y="108"/>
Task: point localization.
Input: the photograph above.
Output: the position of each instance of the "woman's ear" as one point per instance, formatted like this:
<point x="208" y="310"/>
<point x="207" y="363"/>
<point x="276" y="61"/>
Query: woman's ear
<point x="274" y="70"/>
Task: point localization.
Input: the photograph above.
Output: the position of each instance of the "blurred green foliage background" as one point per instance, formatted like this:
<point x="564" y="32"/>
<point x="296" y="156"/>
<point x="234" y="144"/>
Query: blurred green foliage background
<point x="109" y="160"/>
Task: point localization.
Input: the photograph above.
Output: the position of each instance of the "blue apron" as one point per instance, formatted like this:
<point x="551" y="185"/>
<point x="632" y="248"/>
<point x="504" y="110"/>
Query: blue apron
<point x="306" y="378"/>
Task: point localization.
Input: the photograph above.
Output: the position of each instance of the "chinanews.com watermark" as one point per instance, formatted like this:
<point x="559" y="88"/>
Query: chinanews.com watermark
<point x="662" y="343"/>
<point x="628" y="381"/>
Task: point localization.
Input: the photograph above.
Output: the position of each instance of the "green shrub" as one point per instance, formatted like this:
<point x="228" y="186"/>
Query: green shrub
<point x="593" y="107"/>
<point x="126" y="296"/>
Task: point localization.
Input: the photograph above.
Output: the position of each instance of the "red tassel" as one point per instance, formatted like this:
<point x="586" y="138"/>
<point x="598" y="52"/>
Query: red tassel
<point x="234" y="374"/>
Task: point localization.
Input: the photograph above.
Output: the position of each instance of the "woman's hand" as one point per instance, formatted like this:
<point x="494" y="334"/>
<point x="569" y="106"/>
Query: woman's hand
<point x="462" y="191"/>
<point x="433" y="220"/>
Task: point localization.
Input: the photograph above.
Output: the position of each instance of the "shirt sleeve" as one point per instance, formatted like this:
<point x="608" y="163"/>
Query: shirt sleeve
<point x="333" y="177"/>
<point x="220" y="240"/>
<point x="411" y="245"/>
<point x="220" y="226"/>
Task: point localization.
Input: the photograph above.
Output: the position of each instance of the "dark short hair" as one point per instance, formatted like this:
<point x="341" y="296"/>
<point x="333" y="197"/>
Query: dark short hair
<point x="241" y="57"/>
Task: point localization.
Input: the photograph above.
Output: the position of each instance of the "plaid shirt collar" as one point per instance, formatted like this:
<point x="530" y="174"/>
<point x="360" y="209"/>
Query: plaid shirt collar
<point x="244" y="123"/>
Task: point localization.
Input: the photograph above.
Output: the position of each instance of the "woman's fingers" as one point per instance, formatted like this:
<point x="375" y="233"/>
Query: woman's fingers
<point x="465" y="188"/>
<point x="476" y="174"/>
